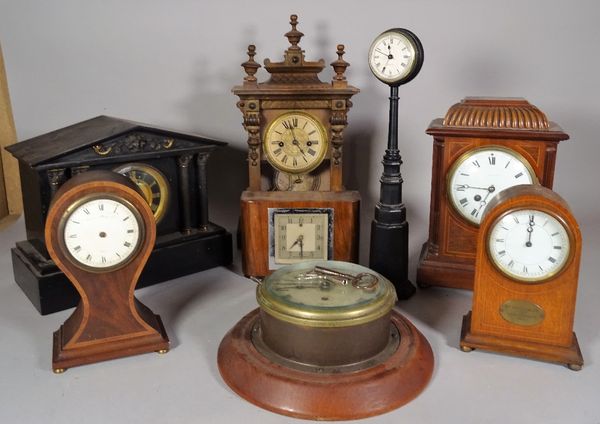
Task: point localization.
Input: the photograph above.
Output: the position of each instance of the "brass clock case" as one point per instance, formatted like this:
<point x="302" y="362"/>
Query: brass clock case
<point x="469" y="154"/>
<point x="294" y="144"/>
<point x="152" y="183"/>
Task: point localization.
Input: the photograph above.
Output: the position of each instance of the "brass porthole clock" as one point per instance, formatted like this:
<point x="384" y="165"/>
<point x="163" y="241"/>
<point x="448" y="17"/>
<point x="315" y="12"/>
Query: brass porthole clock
<point x="325" y="344"/>
<point x="527" y="267"/>
<point x="481" y="147"/>
<point x="296" y="206"/>
<point x="100" y="232"/>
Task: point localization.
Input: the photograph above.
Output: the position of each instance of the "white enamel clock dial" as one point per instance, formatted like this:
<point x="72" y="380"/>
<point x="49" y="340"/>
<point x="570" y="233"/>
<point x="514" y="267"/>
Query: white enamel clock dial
<point x="479" y="175"/>
<point x="393" y="56"/>
<point x="295" y="142"/>
<point x="528" y="245"/>
<point x="301" y="236"/>
<point x="101" y="233"/>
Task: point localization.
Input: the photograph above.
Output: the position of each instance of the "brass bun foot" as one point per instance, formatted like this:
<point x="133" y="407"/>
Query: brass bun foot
<point x="574" y="367"/>
<point x="466" y="349"/>
<point x="162" y="351"/>
<point x="58" y="370"/>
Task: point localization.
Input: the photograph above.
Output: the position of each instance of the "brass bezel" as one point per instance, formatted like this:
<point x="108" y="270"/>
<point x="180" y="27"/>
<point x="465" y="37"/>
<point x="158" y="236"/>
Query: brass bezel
<point x="410" y="68"/>
<point x="88" y="198"/>
<point x="324" y="139"/>
<point x="315" y="317"/>
<point x="160" y="179"/>
<point x="537" y="280"/>
<point x="464" y="157"/>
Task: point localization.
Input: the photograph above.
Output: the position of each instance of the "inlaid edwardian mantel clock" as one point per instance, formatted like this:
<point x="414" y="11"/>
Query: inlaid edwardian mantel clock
<point x="481" y="147"/>
<point x="527" y="268"/>
<point x="168" y="167"/>
<point x="100" y="232"/>
<point x="296" y="207"/>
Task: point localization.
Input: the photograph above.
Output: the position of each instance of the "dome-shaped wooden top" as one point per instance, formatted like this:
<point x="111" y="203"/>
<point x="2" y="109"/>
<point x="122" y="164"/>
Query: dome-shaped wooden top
<point x="496" y="113"/>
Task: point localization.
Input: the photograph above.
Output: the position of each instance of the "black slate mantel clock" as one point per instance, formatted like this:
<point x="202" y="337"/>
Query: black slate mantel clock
<point x="168" y="167"/>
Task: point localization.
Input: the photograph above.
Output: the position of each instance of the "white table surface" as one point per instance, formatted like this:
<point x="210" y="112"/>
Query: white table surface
<point x="184" y="386"/>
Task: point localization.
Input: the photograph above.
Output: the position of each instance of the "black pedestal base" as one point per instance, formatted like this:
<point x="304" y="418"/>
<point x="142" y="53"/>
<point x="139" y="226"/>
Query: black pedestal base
<point x="389" y="255"/>
<point x="50" y="291"/>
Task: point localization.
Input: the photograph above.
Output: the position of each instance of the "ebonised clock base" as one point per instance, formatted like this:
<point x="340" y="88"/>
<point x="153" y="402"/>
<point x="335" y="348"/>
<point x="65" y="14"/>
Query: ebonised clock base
<point x="566" y="355"/>
<point x="50" y="291"/>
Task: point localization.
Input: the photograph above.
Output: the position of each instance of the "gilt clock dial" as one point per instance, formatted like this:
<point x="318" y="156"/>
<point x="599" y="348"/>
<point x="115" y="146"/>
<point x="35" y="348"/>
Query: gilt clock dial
<point x="295" y="142"/>
<point x="529" y="245"/>
<point x="480" y="174"/>
<point x="152" y="183"/>
<point x="101" y="232"/>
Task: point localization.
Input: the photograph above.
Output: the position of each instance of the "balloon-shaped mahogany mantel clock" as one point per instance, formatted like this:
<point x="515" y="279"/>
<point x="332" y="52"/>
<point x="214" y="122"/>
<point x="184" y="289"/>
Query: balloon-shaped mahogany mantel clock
<point x="100" y="232"/>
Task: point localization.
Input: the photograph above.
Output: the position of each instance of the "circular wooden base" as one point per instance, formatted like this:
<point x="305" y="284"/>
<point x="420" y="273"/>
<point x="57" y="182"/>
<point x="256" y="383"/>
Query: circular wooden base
<point x="326" y="396"/>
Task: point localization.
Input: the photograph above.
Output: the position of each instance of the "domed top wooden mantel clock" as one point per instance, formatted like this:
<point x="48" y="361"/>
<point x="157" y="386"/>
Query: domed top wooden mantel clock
<point x="528" y="255"/>
<point x="296" y="207"/>
<point x="481" y="147"/>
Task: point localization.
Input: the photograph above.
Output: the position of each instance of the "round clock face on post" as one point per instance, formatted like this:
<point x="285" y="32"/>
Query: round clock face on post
<point x="528" y="245"/>
<point x="295" y="142"/>
<point x="100" y="233"/>
<point x="480" y="174"/>
<point x="152" y="183"/>
<point x="396" y="56"/>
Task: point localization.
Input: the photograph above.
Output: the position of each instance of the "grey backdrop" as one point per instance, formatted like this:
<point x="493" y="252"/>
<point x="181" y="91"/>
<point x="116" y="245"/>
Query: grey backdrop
<point x="173" y="63"/>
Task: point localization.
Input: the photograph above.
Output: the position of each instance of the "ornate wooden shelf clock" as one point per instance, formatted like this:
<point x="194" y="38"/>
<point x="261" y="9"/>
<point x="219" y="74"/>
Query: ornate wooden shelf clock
<point x="482" y="146"/>
<point x="100" y="232"/>
<point x="168" y="167"/>
<point x="527" y="267"/>
<point x="296" y="207"/>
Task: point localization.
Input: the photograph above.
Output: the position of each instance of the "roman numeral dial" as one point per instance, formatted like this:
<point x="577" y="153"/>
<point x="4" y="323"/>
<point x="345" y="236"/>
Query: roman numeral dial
<point x="479" y="175"/>
<point x="101" y="233"/>
<point x="295" y="142"/>
<point x="528" y="245"/>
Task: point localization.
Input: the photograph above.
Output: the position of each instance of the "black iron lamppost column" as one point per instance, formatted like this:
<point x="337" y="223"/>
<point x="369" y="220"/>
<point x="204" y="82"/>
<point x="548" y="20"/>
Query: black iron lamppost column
<point x="389" y="228"/>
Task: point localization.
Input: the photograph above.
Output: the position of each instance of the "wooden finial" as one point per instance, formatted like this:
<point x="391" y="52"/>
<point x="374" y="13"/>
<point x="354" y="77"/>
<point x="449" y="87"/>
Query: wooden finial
<point x="339" y="66"/>
<point x="294" y="35"/>
<point x="250" y="66"/>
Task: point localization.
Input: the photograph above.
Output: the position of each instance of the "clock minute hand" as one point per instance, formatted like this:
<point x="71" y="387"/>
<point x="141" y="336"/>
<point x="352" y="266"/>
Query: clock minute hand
<point x="530" y="230"/>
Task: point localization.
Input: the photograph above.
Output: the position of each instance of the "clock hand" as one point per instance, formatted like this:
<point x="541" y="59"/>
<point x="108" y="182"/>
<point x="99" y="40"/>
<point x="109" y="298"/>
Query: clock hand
<point x="293" y="244"/>
<point x="467" y="186"/>
<point x="530" y="230"/>
<point x="296" y="142"/>
<point x="490" y="190"/>
<point x="301" y="238"/>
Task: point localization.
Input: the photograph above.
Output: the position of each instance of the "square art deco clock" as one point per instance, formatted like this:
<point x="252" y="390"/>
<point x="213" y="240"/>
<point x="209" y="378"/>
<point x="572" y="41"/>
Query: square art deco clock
<point x="168" y="167"/>
<point x="481" y="147"/>
<point x="527" y="267"/>
<point x="296" y="207"/>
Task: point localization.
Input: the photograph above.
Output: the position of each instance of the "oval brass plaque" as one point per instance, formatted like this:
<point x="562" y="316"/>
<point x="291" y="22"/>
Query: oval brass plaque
<point x="521" y="312"/>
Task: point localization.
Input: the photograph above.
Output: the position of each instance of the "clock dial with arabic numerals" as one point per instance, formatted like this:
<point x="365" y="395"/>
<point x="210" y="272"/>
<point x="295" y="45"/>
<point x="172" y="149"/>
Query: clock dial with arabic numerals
<point x="480" y="174"/>
<point x="529" y="245"/>
<point x="295" y="143"/>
